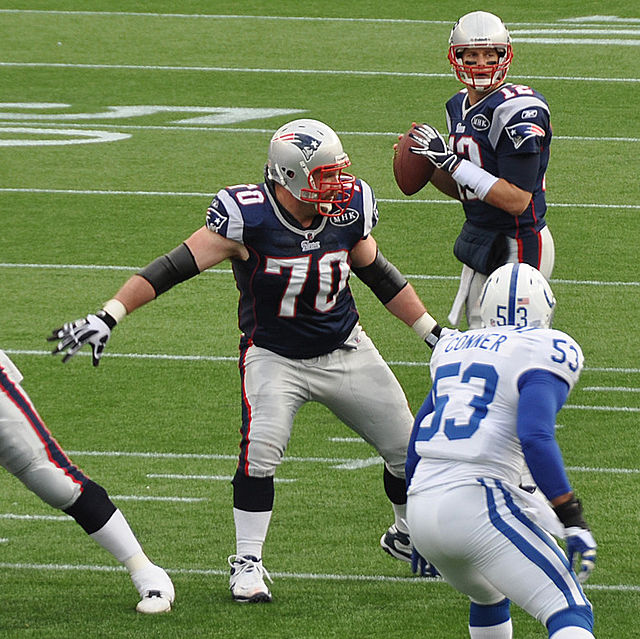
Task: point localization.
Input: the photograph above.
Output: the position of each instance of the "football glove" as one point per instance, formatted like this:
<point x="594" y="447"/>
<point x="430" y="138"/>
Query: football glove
<point x="94" y="329"/>
<point x="581" y="546"/>
<point x="421" y="567"/>
<point x="433" y="146"/>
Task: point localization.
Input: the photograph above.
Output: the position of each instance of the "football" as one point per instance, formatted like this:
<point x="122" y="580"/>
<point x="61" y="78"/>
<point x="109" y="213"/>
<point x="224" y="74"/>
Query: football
<point x="411" y="171"/>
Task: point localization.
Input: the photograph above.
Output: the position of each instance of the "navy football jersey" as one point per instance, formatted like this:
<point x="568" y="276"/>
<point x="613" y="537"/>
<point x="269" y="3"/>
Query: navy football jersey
<point x="295" y="298"/>
<point x="511" y="121"/>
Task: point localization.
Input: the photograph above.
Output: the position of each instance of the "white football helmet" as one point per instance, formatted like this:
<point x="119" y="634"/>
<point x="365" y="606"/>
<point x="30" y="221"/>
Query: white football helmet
<point x="517" y="295"/>
<point x="480" y="29"/>
<point x="307" y="158"/>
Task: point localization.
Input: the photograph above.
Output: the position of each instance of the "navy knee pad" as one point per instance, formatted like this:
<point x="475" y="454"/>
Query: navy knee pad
<point x="254" y="494"/>
<point x="395" y="488"/>
<point x="93" y="509"/>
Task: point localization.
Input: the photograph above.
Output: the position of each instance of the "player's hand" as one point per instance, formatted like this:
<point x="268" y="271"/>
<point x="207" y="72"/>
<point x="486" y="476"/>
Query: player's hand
<point x="436" y="334"/>
<point x="421" y="567"/>
<point x="581" y="546"/>
<point x="581" y="551"/>
<point x="94" y="330"/>
<point x="433" y="146"/>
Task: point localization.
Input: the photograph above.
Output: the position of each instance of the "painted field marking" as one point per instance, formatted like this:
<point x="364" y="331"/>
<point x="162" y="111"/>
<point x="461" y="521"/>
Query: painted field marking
<point x="208" y="477"/>
<point x="281" y="575"/>
<point x="612" y="389"/>
<point x="226" y="271"/>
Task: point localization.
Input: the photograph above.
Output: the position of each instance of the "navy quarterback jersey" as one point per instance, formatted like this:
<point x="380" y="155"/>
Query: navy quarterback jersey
<point x="295" y="298"/>
<point x="508" y="134"/>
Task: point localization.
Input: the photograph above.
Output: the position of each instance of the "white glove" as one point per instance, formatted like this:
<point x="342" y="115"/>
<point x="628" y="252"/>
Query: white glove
<point x="94" y="330"/>
<point x="433" y="146"/>
<point x="581" y="547"/>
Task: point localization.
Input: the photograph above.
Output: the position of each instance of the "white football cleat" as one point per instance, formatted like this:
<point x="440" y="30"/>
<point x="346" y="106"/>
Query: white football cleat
<point x="155" y="588"/>
<point x="397" y="544"/>
<point x="247" y="579"/>
<point x="153" y="603"/>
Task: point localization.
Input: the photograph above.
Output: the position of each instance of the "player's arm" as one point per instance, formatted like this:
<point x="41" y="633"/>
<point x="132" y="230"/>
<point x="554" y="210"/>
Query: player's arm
<point x="443" y="181"/>
<point x="393" y="289"/>
<point x="200" y="251"/>
<point x="542" y="395"/>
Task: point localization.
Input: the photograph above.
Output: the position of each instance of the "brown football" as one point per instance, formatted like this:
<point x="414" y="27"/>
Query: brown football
<point x="411" y="171"/>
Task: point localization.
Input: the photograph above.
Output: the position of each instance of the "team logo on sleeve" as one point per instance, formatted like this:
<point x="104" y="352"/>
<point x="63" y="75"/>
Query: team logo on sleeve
<point x="216" y="216"/>
<point x="306" y="143"/>
<point x="521" y="132"/>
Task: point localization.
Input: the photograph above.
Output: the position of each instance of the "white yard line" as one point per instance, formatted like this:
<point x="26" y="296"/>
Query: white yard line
<point x="331" y="72"/>
<point x="280" y="575"/>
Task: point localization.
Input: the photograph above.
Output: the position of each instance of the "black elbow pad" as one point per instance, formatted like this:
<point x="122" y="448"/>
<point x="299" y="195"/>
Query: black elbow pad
<point x="382" y="277"/>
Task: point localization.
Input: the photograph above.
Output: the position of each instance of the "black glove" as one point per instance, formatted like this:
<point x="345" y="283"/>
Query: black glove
<point x="433" y="146"/>
<point x="580" y="542"/>
<point x="92" y="329"/>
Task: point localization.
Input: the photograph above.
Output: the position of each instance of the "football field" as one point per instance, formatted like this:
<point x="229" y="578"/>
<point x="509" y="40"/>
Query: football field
<point x="119" y="121"/>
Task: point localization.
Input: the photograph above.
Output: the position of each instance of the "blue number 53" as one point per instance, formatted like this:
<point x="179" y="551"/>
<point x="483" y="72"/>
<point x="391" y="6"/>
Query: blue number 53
<point x="480" y="403"/>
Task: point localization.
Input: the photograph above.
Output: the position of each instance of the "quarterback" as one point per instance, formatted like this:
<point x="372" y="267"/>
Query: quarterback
<point x="293" y="241"/>
<point x="490" y="412"/>
<point x="494" y="162"/>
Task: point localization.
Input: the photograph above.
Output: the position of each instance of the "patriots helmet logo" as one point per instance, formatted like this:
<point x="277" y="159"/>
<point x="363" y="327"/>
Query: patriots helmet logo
<point x="521" y="132"/>
<point x="306" y="143"/>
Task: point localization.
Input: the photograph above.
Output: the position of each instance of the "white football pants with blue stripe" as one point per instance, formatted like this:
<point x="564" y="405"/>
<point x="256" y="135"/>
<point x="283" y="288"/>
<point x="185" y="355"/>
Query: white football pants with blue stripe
<point x="485" y="545"/>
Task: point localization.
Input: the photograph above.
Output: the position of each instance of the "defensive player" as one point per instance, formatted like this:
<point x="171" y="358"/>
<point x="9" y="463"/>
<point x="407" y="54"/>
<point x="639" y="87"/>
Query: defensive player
<point x="29" y="451"/>
<point x="495" y="161"/>
<point x="490" y="411"/>
<point x="293" y="241"/>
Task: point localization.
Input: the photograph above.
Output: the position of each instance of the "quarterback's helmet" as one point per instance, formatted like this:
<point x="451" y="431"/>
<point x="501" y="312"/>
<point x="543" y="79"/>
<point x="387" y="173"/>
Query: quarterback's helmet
<point x="475" y="30"/>
<point x="307" y="158"/>
<point x="517" y="295"/>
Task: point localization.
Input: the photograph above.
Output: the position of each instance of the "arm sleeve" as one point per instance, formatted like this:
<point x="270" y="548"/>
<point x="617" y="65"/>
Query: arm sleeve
<point x="412" y="456"/>
<point x="542" y="395"/>
<point x="521" y="170"/>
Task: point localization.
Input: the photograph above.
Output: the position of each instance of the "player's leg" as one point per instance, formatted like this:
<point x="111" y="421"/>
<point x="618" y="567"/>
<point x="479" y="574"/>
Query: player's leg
<point x="107" y="526"/>
<point x="531" y="246"/>
<point x="472" y="306"/>
<point x="546" y="586"/>
<point x="271" y="396"/>
<point x="445" y="525"/>
<point x="484" y="545"/>
<point x="490" y="621"/>
<point x="359" y="387"/>
<point x="30" y="453"/>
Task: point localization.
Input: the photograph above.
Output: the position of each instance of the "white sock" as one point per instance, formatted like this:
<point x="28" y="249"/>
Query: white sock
<point x="117" y="538"/>
<point x="501" y="631"/>
<point x="400" y="512"/>
<point x="251" y="531"/>
<point x="572" y="632"/>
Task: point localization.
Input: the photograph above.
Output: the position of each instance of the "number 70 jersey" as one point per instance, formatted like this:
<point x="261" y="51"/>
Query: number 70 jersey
<point x="475" y="396"/>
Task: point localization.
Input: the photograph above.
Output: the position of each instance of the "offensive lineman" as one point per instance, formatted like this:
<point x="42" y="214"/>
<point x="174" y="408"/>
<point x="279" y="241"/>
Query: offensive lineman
<point x="495" y="163"/>
<point x="490" y="411"/>
<point x="293" y="241"/>
<point x="30" y="453"/>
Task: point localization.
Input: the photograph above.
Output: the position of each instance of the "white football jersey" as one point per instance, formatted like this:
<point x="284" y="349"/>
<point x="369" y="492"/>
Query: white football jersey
<point x="472" y="431"/>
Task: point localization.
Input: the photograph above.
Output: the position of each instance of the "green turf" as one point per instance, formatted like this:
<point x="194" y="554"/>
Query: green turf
<point x="330" y="577"/>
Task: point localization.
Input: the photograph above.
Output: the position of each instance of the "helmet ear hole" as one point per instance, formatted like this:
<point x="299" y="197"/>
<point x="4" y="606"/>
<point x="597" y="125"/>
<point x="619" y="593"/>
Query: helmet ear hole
<point x="289" y="173"/>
